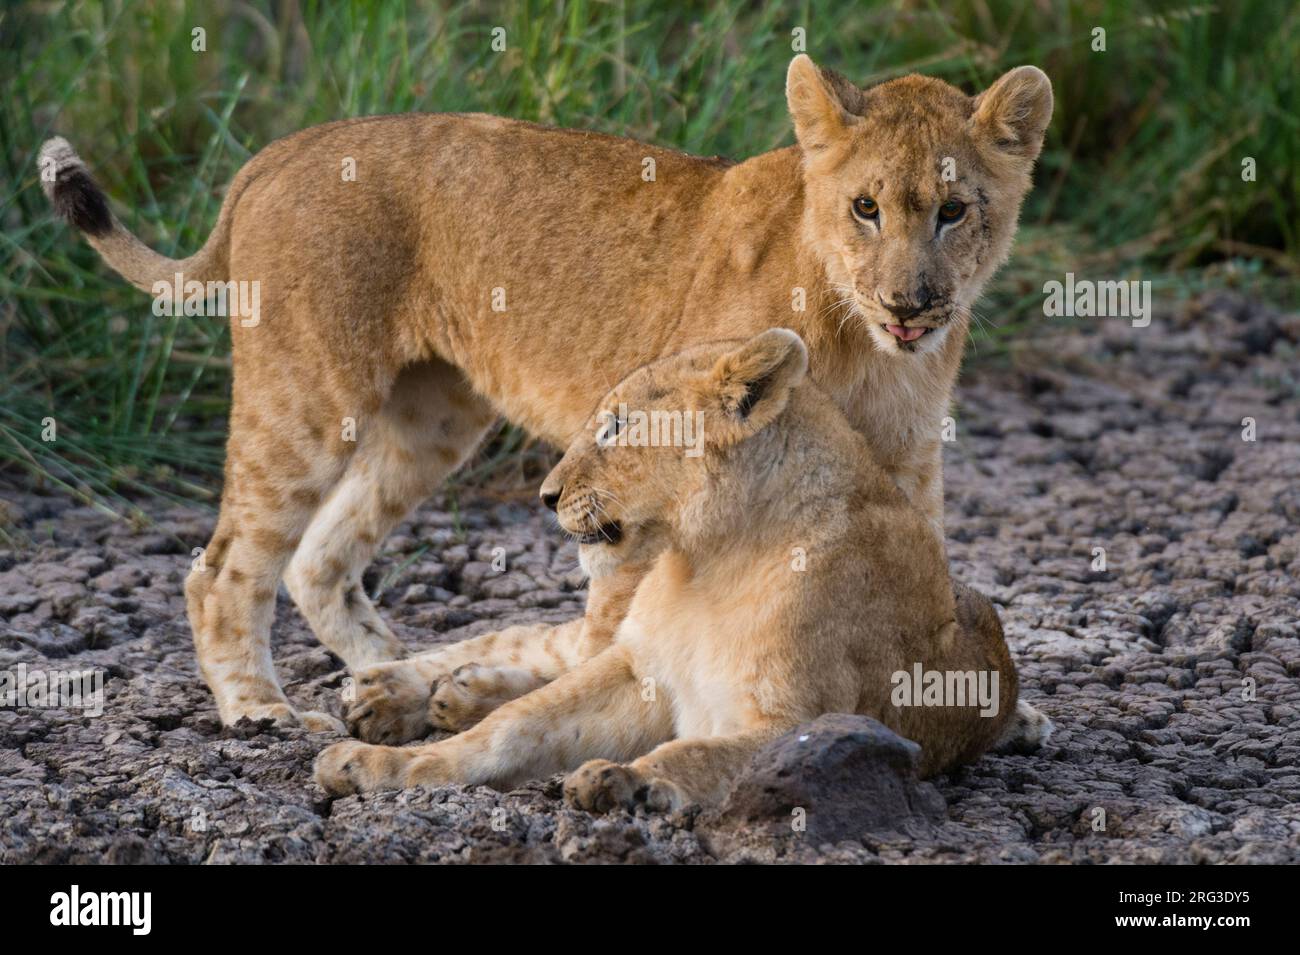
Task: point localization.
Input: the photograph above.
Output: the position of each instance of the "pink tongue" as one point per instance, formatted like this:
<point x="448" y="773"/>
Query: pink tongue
<point x="906" y="334"/>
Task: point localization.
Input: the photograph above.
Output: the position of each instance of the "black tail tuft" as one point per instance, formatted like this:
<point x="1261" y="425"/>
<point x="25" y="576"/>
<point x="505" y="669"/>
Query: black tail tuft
<point x="75" y="195"/>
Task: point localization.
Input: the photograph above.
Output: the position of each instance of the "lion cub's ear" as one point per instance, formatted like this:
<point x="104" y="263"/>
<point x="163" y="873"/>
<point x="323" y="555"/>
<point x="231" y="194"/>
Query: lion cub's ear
<point x="750" y="386"/>
<point x="817" y="104"/>
<point x="1011" y="116"/>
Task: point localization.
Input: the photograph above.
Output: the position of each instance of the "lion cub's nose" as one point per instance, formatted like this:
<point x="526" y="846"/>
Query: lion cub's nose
<point x="551" y="498"/>
<point x="902" y="308"/>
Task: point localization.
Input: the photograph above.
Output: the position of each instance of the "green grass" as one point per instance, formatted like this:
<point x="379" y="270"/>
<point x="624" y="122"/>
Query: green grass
<point x="1141" y="174"/>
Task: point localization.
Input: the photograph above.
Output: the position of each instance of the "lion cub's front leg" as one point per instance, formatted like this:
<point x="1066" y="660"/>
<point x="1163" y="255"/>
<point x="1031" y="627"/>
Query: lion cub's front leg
<point x="393" y="700"/>
<point x="595" y="710"/>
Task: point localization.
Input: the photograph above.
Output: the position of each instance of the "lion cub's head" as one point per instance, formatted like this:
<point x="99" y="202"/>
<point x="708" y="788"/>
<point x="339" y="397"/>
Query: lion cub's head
<point x="659" y="445"/>
<point x="913" y="189"/>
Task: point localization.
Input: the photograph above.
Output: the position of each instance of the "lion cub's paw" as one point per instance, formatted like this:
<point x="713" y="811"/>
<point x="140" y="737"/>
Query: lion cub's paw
<point x="391" y="705"/>
<point x="474" y="690"/>
<point x="338" y="768"/>
<point x="319" y="722"/>
<point x="462" y="699"/>
<point x="353" y="767"/>
<point x="285" y="715"/>
<point x="600" y="786"/>
<point x="453" y="707"/>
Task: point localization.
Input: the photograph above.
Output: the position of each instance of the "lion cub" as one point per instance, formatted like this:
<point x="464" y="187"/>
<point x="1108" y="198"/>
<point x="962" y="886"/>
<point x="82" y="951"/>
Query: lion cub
<point x="793" y="579"/>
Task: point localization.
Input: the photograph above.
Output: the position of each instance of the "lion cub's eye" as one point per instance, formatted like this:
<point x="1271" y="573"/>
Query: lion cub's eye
<point x="865" y="207"/>
<point x="608" y="429"/>
<point x="951" y="210"/>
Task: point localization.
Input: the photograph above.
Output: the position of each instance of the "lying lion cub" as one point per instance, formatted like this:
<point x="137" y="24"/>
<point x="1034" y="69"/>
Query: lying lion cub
<point x="794" y="579"/>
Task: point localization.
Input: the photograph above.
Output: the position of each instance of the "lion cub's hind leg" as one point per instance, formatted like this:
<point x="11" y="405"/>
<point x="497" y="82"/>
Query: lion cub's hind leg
<point x="428" y="425"/>
<point x="275" y="476"/>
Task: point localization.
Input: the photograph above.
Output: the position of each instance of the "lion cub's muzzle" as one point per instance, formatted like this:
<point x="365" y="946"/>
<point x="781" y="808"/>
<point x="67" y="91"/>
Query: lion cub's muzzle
<point x="906" y="322"/>
<point x="582" y="516"/>
<point x="607" y="533"/>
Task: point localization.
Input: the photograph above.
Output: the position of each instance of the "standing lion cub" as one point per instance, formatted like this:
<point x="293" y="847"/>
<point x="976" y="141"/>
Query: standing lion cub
<point x="793" y="578"/>
<point x="476" y="266"/>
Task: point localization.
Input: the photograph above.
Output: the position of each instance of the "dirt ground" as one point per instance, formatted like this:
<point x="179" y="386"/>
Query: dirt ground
<point x="1171" y="674"/>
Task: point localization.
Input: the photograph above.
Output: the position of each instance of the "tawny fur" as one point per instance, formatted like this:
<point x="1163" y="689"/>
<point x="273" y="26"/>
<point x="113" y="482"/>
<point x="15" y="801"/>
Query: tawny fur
<point x="793" y="579"/>
<point x="377" y="307"/>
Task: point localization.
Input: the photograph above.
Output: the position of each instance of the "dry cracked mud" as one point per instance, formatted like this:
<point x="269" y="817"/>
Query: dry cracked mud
<point x="1171" y="674"/>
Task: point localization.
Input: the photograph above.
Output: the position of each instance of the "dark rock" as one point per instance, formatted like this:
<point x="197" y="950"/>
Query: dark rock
<point x="839" y="777"/>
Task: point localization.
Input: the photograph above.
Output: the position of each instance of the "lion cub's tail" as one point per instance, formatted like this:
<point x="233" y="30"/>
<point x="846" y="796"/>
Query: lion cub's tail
<point x="1026" y="731"/>
<point x="79" y="200"/>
